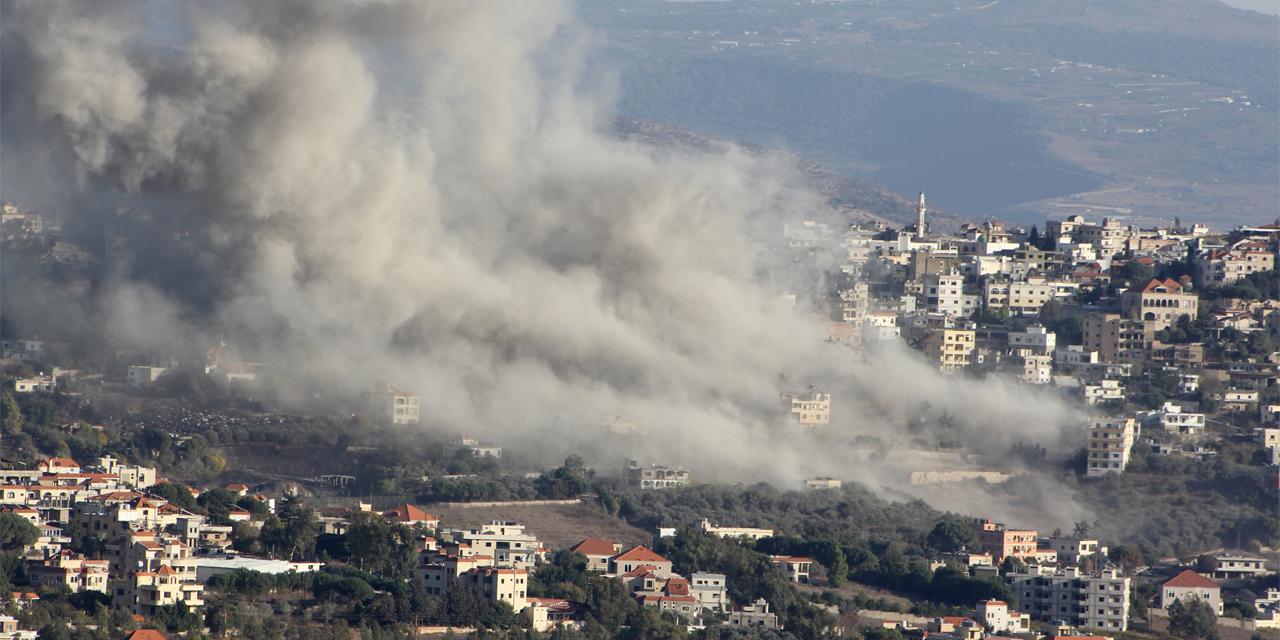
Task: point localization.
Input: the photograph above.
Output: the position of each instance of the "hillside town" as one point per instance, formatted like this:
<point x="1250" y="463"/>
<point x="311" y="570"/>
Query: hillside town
<point x="1162" y="336"/>
<point x="120" y="536"/>
<point x="1164" y="340"/>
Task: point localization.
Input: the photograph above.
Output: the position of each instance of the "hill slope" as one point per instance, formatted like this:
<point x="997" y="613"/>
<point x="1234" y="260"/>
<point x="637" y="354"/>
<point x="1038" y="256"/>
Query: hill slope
<point x="850" y="199"/>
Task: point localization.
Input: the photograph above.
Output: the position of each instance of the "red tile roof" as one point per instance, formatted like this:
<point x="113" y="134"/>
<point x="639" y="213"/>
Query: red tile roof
<point x="1190" y="578"/>
<point x="640" y="571"/>
<point x="640" y="553"/>
<point x="146" y="634"/>
<point x="1150" y="285"/>
<point x="408" y="513"/>
<point x="594" y="547"/>
<point x="53" y="463"/>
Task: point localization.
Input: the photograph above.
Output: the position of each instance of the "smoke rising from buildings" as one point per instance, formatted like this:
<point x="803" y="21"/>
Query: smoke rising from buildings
<point x="421" y="192"/>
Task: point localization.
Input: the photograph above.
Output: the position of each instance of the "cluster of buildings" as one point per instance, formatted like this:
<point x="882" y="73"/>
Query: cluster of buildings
<point x="1069" y="581"/>
<point x="154" y="553"/>
<point x="991" y="299"/>
<point x="924" y="287"/>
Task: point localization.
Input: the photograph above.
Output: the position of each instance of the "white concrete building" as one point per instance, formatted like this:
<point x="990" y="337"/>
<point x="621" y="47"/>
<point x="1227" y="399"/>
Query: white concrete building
<point x="1171" y="418"/>
<point x="945" y="294"/>
<point x="1190" y="584"/>
<point x="1071" y="550"/>
<point x="1036" y="338"/>
<point x="733" y="532"/>
<point x="996" y="614"/>
<point x="1103" y="391"/>
<point x="1109" y="444"/>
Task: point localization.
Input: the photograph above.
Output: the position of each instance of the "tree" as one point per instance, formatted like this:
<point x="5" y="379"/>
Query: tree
<point x="611" y="604"/>
<point x="257" y="508"/>
<point x="178" y="617"/>
<point x="380" y="546"/>
<point x="1050" y="312"/>
<point x="16" y="532"/>
<point x="218" y="501"/>
<point x="12" y="417"/>
<point x="177" y="495"/>
<point x="1127" y="556"/>
<point x="1193" y="619"/>
<point x="1012" y="564"/>
<point x="1137" y="606"/>
<point x="462" y="605"/>
<point x="1082" y="529"/>
<point x="564" y="482"/>
<point x="880" y="633"/>
<point x="499" y="616"/>
<point x="952" y="536"/>
<point x="1206" y="564"/>
<point x="1132" y="272"/>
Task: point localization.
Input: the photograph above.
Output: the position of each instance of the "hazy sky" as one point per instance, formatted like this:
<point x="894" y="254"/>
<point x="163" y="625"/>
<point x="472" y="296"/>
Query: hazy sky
<point x="1265" y="6"/>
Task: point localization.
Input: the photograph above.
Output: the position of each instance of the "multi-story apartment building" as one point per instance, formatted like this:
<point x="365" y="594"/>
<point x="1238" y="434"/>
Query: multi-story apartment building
<point x="1109" y="443"/>
<point x="880" y="326"/>
<point x="807" y="408"/>
<point x="1108" y="237"/>
<point x="1039" y="340"/>
<point x="1117" y="339"/>
<point x="945" y="294"/>
<point x="505" y="585"/>
<point x="1027" y="297"/>
<point x="951" y="349"/>
<point x="145" y="551"/>
<point x="1158" y="301"/>
<point x="1060" y="231"/>
<point x="1088" y="602"/>
<point x="145" y="592"/>
<point x="710" y="589"/>
<point x="1000" y="542"/>
<point x="1103" y="391"/>
<point x="508" y="543"/>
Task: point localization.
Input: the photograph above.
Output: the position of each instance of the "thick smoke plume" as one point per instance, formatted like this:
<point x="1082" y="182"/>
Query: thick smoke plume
<point x="420" y="192"/>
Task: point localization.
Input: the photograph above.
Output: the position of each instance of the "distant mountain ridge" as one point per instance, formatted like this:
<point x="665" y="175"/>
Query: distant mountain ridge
<point x="850" y="199"/>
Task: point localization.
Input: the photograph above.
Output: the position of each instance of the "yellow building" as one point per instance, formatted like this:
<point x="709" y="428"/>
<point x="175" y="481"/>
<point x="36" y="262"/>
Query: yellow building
<point x="144" y="592"/>
<point x="807" y="408"/>
<point x="952" y="349"/>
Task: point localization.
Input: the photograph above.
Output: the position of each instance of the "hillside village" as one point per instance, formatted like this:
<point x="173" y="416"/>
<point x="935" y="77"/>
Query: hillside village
<point x="1165" y="339"/>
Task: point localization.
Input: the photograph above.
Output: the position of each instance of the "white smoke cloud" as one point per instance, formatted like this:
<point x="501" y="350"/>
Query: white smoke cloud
<point x="419" y="191"/>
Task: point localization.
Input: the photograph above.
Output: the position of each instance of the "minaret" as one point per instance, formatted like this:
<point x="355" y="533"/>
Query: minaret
<point x="920" y="209"/>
